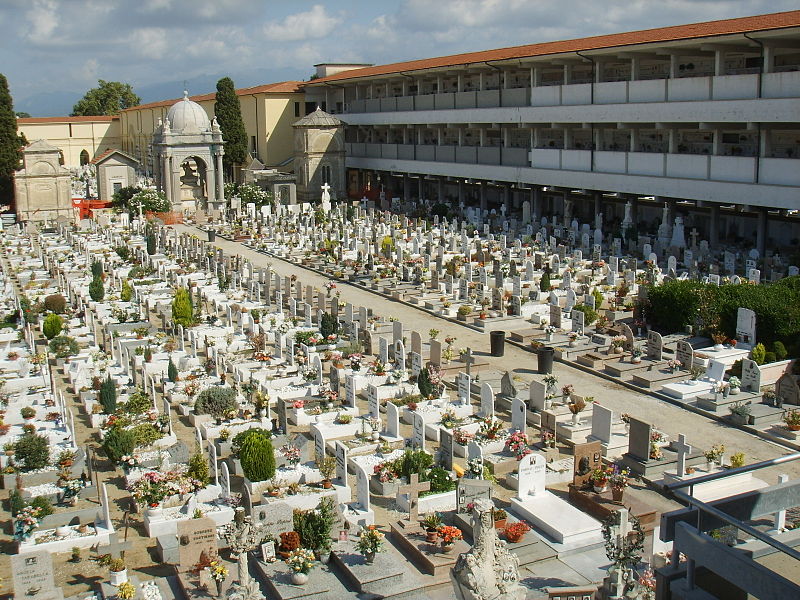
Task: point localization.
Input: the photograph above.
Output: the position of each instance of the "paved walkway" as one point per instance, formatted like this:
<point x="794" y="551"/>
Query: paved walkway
<point x="701" y="431"/>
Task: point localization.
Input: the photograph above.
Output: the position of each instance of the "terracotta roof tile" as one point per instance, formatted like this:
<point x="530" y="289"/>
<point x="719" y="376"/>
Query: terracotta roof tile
<point x="33" y="120"/>
<point x="661" y="34"/>
<point x="282" y="87"/>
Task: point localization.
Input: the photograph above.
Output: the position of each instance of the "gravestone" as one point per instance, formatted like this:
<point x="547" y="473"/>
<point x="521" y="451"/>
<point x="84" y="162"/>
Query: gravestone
<point x="418" y="431"/>
<point x="639" y="440"/>
<point x="33" y="577"/>
<point x="341" y="463"/>
<point x="685" y="354"/>
<point x="275" y="518"/>
<point x="362" y="488"/>
<point x="587" y="457"/>
<point x="531" y="476"/>
<point x="472" y="491"/>
<point x="392" y="420"/>
<point x="746" y="326"/>
<point x="487" y="400"/>
<point x="751" y="376"/>
<point x="655" y="345"/>
<point x="507" y="387"/>
<point x="602" y="419"/>
<point x="519" y="413"/>
<point x="464" y="383"/>
<point x="196" y="537"/>
<point x="536" y="395"/>
<point x="446" y="448"/>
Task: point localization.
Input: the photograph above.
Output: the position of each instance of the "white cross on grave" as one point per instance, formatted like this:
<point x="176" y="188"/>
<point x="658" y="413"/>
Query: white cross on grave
<point x="683" y="449"/>
<point x="115" y="548"/>
<point x="413" y="489"/>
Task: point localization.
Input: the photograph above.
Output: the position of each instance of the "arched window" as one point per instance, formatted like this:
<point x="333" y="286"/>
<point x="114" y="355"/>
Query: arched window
<point x="84" y="157"/>
<point x="326" y="174"/>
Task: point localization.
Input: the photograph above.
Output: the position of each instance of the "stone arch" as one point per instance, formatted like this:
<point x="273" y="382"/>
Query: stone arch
<point x="43" y="168"/>
<point x="325" y="141"/>
<point x="84" y="159"/>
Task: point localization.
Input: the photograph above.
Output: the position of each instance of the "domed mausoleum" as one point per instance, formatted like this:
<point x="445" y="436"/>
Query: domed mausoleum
<point x="188" y="165"/>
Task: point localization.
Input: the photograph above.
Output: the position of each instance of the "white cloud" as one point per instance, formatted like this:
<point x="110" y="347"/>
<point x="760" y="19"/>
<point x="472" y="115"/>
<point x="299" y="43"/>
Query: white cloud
<point x="149" y="42"/>
<point x="310" y="25"/>
<point x="43" y="19"/>
<point x="89" y="70"/>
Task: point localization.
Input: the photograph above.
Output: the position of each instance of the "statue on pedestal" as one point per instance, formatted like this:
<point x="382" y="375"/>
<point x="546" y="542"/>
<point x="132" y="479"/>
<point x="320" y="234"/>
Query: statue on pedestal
<point x="678" y="236"/>
<point x="242" y="536"/>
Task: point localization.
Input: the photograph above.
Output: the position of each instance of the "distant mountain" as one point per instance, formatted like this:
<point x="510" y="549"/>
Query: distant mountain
<point x="59" y="104"/>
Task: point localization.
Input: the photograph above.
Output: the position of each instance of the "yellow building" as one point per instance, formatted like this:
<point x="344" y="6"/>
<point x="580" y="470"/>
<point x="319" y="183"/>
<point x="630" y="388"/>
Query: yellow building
<point x="80" y="139"/>
<point x="268" y="112"/>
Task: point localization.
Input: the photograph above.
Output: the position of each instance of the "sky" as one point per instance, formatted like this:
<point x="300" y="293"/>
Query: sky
<point x="53" y="51"/>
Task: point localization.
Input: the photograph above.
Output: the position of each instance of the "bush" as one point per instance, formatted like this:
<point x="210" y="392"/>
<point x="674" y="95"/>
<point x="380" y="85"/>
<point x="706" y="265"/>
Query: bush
<point x="589" y="314"/>
<point x="598" y="299"/>
<point x="239" y="439"/>
<point x="257" y="458"/>
<point x="97" y="290"/>
<point x="32" y="452"/>
<point x="97" y="269"/>
<point x="55" y="303"/>
<point x="758" y="354"/>
<point x="198" y="468"/>
<point x="172" y="371"/>
<point x="52" y="326"/>
<point x="138" y="403"/>
<point x="151" y="244"/>
<point x="182" y="309"/>
<point x="780" y="351"/>
<point x="126" y="293"/>
<point x="328" y="325"/>
<point x="665" y="298"/>
<point x="44" y="505"/>
<point x="314" y="526"/>
<point x="440" y="481"/>
<point x="15" y="502"/>
<point x="149" y="201"/>
<point x="145" y="434"/>
<point x="122" y="196"/>
<point x="63" y="346"/>
<point x="117" y="443"/>
<point x="769" y="357"/>
<point x="108" y="396"/>
<point x="426" y="388"/>
<point x="413" y="461"/>
<point x="215" y="401"/>
<point x="544" y="283"/>
<point x="123" y="252"/>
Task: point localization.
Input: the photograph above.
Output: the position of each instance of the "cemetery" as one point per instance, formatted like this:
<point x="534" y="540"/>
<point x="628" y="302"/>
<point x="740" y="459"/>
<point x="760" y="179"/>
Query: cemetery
<point x="273" y="439"/>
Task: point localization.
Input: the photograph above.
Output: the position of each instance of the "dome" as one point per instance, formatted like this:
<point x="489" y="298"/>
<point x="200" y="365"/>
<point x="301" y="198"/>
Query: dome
<point x="186" y="116"/>
<point x="318" y="118"/>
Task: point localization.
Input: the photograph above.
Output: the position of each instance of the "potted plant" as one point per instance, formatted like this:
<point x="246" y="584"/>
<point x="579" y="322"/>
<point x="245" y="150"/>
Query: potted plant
<point x="737" y="460"/>
<point x="599" y="478"/>
<point x="619" y="481"/>
<point x="119" y="574"/>
<point x="370" y="542"/>
<point x="300" y="561"/>
<point x="714" y="455"/>
<point x="431" y="523"/>
<point x="695" y="374"/>
<point x="618" y="344"/>
<point x="572" y="337"/>
<point x="327" y="467"/>
<point x="792" y="419"/>
<point x="636" y="356"/>
<point x="450" y="535"/>
<point x="290" y="541"/>
<point x="515" y="531"/>
<point x="500" y="518"/>
<point x="740" y="413"/>
<point x="769" y="397"/>
<point x="28" y="413"/>
<point x="734" y="383"/>
<point x="126" y="591"/>
<point x="575" y="407"/>
<point x="76" y="554"/>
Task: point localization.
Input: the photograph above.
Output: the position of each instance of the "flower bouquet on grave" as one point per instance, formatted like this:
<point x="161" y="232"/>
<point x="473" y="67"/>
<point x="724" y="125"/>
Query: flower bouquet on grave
<point x="619" y="481"/>
<point x="291" y="453"/>
<point x="550" y="382"/>
<point x="298" y="404"/>
<point x="566" y="392"/>
<point x="219" y="572"/>
<point x="674" y="365"/>
<point x="125" y="591"/>
<point x="25" y="522"/>
<point x="475" y="468"/>
<point x="377" y="367"/>
<point x="450" y="535"/>
<point x="310" y="374"/>
<point x="517" y="443"/>
<point x="343" y="418"/>
<point x="300" y="561"/>
<point x="714" y="454"/>
<point x="515" y="531"/>
<point x="355" y="361"/>
<point x="370" y="542"/>
<point x="618" y="344"/>
<point x="600" y="477"/>
<point x="462" y="437"/>
<point x="449" y="420"/>
<point x="490" y="428"/>
<point x="576" y="407"/>
<point x="385" y="472"/>
<point x="655" y="451"/>
<point x="548" y="438"/>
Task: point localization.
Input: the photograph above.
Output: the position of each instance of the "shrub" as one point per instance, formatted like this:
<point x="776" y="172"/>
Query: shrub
<point x="440" y="481"/>
<point x="123" y="252"/>
<point x="108" y="395"/>
<point x="215" y="401"/>
<point x="97" y="269"/>
<point x="117" y="443"/>
<point x="149" y="201"/>
<point x="780" y="351"/>
<point x="138" y="403"/>
<point x="52" y="326"/>
<point x="769" y="357"/>
<point x="172" y="371"/>
<point x="32" y="452"/>
<point x="544" y="283"/>
<point x="44" y="505"/>
<point x="55" y="303"/>
<point x="598" y="299"/>
<point x="145" y="434"/>
<point x="328" y="325"/>
<point x="239" y="439"/>
<point x="589" y="314"/>
<point x="63" y="346"/>
<point x="198" y="468"/>
<point x="257" y="458"/>
<point x="182" y="310"/>
<point x="426" y="388"/>
<point x="413" y="461"/>
<point x="126" y="293"/>
<point x="663" y="300"/>
<point x="758" y="354"/>
<point x="151" y="244"/>
<point x="97" y="290"/>
<point x="314" y="526"/>
<point x="15" y="502"/>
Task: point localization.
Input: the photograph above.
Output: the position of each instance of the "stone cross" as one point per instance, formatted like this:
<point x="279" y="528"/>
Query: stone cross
<point x="115" y="548"/>
<point x="413" y="489"/>
<point x="683" y="449"/>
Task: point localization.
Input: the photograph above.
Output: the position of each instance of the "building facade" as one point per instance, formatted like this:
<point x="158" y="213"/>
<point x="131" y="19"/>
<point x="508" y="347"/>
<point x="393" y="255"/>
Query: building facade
<point x="80" y="139"/>
<point x="702" y="118"/>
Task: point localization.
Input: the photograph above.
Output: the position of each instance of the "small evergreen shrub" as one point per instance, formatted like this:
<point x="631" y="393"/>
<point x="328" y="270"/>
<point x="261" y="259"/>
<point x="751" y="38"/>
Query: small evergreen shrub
<point x="52" y="325"/>
<point x="32" y="452"/>
<point x="328" y="325"/>
<point x="215" y="401"/>
<point x="55" y="303"/>
<point x="117" y="443"/>
<point x="97" y="290"/>
<point x="172" y="371"/>
<point x="257" y="458"/>
<point x="63" y="346"/>
<point x="126" y="293"/>
<point x="182" y="309"/>
<point x="108" y="396"/>
<point x="198" y="467"/>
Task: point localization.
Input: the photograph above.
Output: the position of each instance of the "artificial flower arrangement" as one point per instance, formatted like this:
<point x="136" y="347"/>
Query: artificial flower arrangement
<point x="548" y="438"/>
<point x="450" y="534"/>
<point x="619" y="477"/>
<point x="25" y="522"/>
<point x="300" y="560"/>
<point x="618" y="341"/>
<point x="370" y="540"/>
<point x="355" y="361"/>
<point x="385" y="472"/>
<point x="567" y="390"/>
<point x="462" y="437"/>
<point x="600" y="476"/>
<point x="714" y="453"/>
<point x="219" y="572"/>
<point x="550" y="382"/>
<point x="518" y="443"/>
<point x="298" y="404"/>
<point x="515" y="531"/>
<point x="674" y="364"/>
<point x="154" y="486"/>
<point x="291" y="453"/>
<point x="344" y="418"/>
<point x="377" y="367"/>
<point x="475" y="468"/>
<point x="490" y="428"/>
<point x="449" y="419"/>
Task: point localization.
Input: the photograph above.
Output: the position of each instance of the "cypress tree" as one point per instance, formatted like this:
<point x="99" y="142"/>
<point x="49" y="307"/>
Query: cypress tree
<point x="10" y="143"/>
<point x="97" y="290"/>
<point x="182" y="309"/>
<point x="108" y="396"/>
<point x="228" y="111"/>
<point x="172" y="371"/>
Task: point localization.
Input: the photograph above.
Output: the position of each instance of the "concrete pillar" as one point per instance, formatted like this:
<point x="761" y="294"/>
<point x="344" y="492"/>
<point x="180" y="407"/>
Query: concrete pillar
<point x="634" y="139"/>
<point x="220" y="179"/>
<point x="460" y="189"/>
<point x="713" y="229"/>
<point x="536" y="203"/>
<point x="421" y="187"/>
<point x="406" y="188"/>
<point x="482" y="192"/>
<point x="635" y="64"/>
<point x="598" y="202"/>
<point x="507" y="198"/>
<point x="440" y="190"/>
<point x="175" y="178"/>
<point x="719" y="62"/>
<point x="761" y="231"/>
<point x="716" y="142"/>
<point x="769" y="59"/>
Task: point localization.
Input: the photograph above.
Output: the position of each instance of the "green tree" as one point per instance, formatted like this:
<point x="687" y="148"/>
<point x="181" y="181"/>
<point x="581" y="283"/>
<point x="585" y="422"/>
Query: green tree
<point x="52" y="326"/>
<point x="117" y="443"/>
<point x="151" y="243"/>
<point x="108" y="98"/>
<point x="257" y="458"/>
<point x="544" y="282"/>
<point x="172" y="371"/>
<point x="150" y="201"/>
<point x="32" y="451"/>
<point x="10" y="143"/>
<point x="97" y="290"/>
<point x="126" y="293"/>
<point x="229" y="114"/>
<point x="198" y="467"/>
<point x="122" y="196"/>
<point x="108" y="395"/>
<point x="22" y="115"/>
<point x="182" y="309"/>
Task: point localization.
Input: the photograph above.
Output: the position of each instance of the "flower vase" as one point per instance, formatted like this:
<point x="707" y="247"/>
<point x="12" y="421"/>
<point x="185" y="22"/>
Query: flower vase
<point x="154" y="510"/>
<point x="576" y="419"/>
<point x="709" y="466"/>
<point x="299" y="578"/>
<point x="599" y="489"/>
<point x="447" y="548"/>
<point x="734" y="391"/>
<point x="617" y="493"/>
<point x="431" y="535"/>
<point x="219" y="587"/>
<point x="571" y="343"/>
<point x="369" y="557"/>
<point x="376" y="435"/>
<point x="118" y="577"/>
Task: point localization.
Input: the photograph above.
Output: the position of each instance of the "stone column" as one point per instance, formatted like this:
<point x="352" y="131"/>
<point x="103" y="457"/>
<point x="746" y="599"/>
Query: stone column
<point x="211" y="188"/>
<point x="166" y="177"/>
<point x="440" y="190"/>
<point x="761" y="231"/>
<point x="406" y="188"/>
<point x="536" y="203"/>
<point x="598" y="202"/>
<point x="713" y="229"/>
<point x="460" y="190"/>
<point x="175" y="180"/>
<point x="220" y="178"/>
<point x="507" y="199"/>
<point x="420" y="187"/>
<point x="482" y="192"/>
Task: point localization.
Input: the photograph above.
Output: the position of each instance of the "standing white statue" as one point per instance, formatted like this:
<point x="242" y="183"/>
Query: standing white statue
<point x="664" y="230"/>
<point x="326" y="198"/>
<point x="627" y="221"/>
<point x="678" y="237"/>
